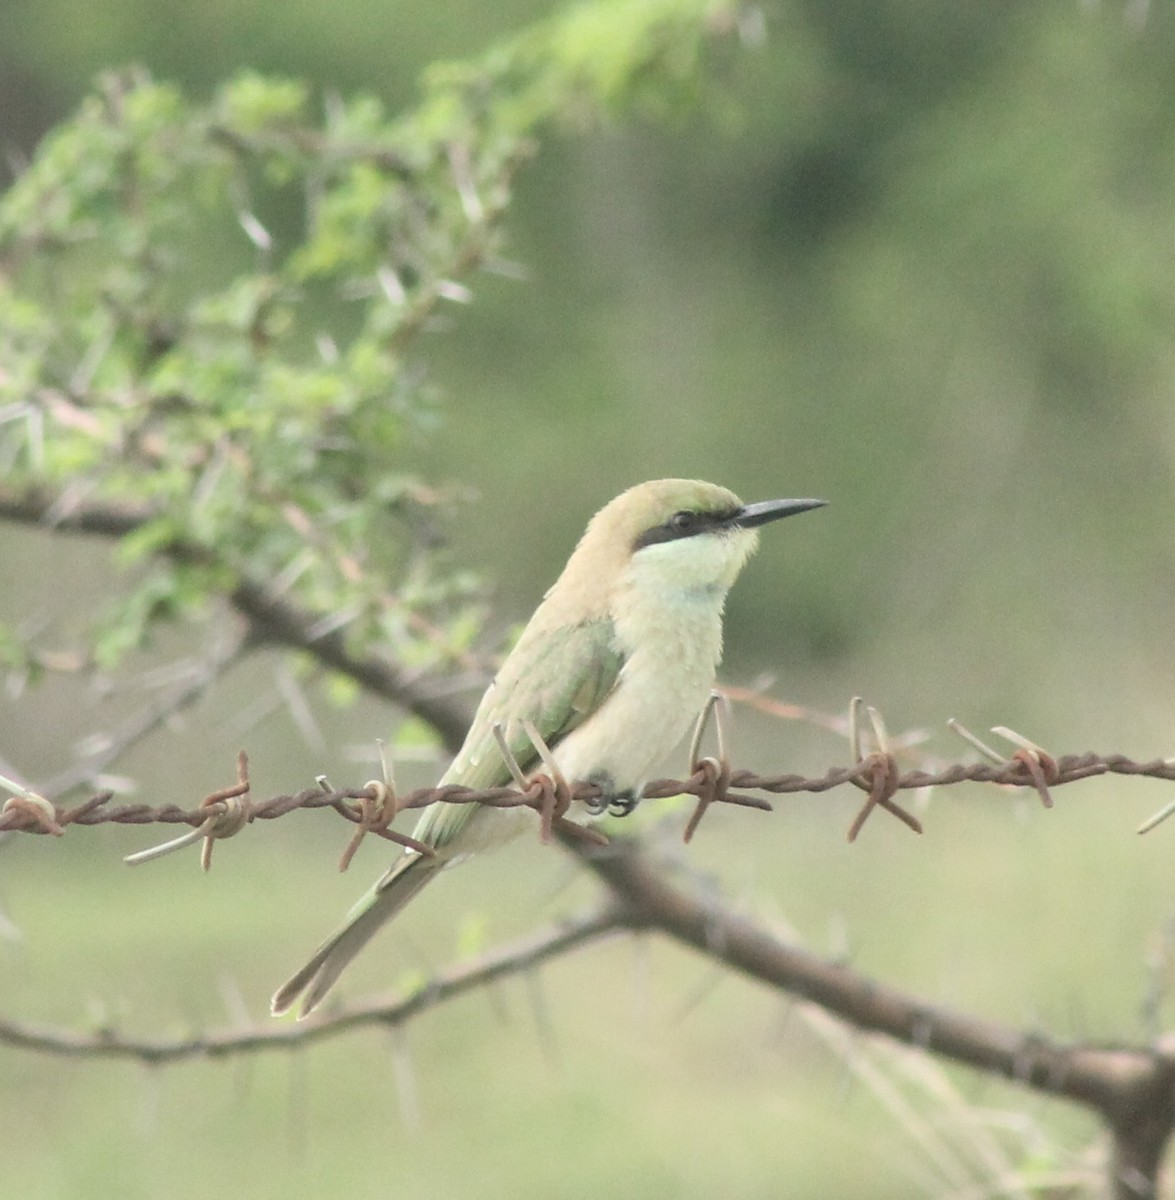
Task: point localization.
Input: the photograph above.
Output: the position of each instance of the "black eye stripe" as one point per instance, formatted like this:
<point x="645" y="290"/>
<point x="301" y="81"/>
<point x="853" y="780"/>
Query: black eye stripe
<point x="683" y="524"/>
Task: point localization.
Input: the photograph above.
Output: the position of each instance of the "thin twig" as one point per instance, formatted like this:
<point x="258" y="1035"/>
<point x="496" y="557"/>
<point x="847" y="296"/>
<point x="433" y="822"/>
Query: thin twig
<point x="515" y="957"/>
<point x="152" y="716"/>
<point x="271" y="617"/>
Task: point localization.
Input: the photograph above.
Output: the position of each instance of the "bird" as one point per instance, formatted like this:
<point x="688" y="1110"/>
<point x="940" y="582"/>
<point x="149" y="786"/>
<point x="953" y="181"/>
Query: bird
<point x="612" y="669"/>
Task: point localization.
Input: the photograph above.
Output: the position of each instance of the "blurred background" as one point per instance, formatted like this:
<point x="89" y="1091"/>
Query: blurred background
<point x="919" y="260"/>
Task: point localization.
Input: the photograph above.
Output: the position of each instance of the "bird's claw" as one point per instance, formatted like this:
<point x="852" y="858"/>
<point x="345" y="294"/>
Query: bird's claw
<point x="597" y="806"/>
<point x="621" y="805"/>
<point x="608" y="799"/>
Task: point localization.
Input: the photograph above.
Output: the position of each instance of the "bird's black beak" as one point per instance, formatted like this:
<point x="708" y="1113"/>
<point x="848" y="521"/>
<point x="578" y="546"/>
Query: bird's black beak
<point x="751" y="515"/>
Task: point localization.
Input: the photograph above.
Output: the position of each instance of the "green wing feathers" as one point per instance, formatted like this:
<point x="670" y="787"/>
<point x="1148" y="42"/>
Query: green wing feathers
<point x="382" y="903"/>
<point x="556" y="679"/>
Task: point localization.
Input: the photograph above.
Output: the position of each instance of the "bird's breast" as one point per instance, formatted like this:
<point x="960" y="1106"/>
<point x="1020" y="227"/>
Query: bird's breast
<point x="671" y="654"/>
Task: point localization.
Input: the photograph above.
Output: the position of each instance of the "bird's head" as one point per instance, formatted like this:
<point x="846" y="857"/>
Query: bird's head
<point x="680" y="536"/>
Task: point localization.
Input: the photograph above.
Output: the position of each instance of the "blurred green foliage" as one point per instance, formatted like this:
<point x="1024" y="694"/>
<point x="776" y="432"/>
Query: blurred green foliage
<point x="910" y="259"/>
<point x="249" y="387"/>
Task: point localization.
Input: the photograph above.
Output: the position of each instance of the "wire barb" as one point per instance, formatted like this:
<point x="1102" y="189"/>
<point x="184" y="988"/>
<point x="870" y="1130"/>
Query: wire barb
<point x="549" y="795"/>
<point x="700" y="726"/>
<point x="880" y="775"/>
<point x="711" y="776"/>
<point x="554" y="792"/>
<point x="231" y="815"/>
<point x="1040" y="766"/>
<point x="378" y="806"/>
<point x="1157" y="819"/>
<point x="508" y="757"/>
<point x="991" y="755"/>
<point x="1011" y="772"/>
<point x="31" y="805"/>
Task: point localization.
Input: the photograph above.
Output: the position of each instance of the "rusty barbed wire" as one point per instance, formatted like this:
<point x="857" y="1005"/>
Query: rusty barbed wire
<point x="711" y="783"/>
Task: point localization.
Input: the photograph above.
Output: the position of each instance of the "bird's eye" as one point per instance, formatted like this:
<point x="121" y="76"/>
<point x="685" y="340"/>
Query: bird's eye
<point x="683" y="521"/>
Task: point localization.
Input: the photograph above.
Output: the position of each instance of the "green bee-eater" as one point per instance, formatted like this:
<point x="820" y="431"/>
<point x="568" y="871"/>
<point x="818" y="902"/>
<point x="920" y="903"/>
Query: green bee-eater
<point x="612" y="669"/>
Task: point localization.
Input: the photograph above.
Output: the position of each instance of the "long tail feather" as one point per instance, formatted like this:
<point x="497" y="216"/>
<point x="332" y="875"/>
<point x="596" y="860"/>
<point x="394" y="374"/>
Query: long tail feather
<point x="318" y="976"/>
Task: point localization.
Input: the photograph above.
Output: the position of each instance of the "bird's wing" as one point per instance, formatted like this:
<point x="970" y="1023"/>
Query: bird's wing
<point x="556" y="690"/>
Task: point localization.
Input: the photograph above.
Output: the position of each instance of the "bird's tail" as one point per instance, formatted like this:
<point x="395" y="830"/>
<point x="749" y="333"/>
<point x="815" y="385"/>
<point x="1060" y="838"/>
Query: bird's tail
<point x="318" y="976"/>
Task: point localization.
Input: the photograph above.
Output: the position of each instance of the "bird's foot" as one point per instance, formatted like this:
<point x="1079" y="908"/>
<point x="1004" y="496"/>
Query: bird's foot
<point x="623" y="804"/>
<point x="614" y="803"/>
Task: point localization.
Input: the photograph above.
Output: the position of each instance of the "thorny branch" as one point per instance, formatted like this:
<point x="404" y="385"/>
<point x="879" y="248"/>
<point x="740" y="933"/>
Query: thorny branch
<point x="522" y="954"/>
<point x="1131" y="1087"/>
<point x="198" y="676"/>
<point x="270" y="617"/>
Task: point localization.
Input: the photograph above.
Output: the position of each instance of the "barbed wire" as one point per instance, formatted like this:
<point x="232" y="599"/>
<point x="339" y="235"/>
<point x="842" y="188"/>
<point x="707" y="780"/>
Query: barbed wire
<point x="1110" y="1080"/>
<point x="373" y="806"/>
